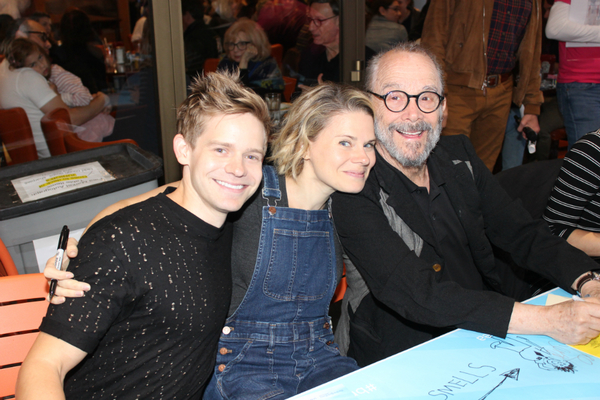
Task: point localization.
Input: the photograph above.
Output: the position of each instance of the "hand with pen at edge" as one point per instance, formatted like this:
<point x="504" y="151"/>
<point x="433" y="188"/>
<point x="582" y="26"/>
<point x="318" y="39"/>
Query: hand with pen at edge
<point x="60" y="252"/>
<point x="67" y="286"/>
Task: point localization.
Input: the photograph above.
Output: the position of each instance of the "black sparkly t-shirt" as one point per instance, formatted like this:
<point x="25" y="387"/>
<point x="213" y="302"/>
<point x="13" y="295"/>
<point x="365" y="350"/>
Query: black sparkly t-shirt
<point x="160" y="290"/>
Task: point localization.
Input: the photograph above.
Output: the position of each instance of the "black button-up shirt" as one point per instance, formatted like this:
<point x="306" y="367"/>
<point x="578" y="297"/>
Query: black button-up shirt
<point x="451" y="244"/>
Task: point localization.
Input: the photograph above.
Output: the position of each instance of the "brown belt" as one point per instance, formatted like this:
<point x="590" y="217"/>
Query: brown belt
<point x="492" y="81"/>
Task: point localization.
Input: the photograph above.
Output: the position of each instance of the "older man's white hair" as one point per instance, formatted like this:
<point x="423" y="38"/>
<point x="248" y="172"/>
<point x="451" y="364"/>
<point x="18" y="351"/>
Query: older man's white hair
<point x="404" y="47"/>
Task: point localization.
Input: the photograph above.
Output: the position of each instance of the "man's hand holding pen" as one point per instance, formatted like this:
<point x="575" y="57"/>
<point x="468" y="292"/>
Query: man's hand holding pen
<point x="66" y="286"/>
<point x="60" y="252"/>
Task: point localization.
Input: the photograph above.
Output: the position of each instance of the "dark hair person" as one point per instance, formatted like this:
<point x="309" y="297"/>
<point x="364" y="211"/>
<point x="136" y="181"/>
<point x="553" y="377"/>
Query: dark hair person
<point x="81" y="52"/>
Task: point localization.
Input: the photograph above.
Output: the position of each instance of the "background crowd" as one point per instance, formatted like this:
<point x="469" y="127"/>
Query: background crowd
<point x="494" y="91"/>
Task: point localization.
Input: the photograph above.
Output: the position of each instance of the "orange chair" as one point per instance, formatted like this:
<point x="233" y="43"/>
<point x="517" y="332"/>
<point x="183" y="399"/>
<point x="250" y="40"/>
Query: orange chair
<point x="16" y="134"/>
<point x="277" y="54"/>
<point x="54" y="136"/>
<point x="340" y="290"/>
<point x="61" y="140"/>
<point x="22" y="307"/>
<point x="290" y="86"/>
<point x="7" y="265"/>
<point x="210" y="65"/>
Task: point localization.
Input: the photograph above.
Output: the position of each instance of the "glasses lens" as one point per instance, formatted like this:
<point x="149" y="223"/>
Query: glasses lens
<point x="396" y="100"/>
<point x="240" y="45"/>
<point x="317" y="22"/>
<point x="43" y="35"/>
<point x="428" y="101"/>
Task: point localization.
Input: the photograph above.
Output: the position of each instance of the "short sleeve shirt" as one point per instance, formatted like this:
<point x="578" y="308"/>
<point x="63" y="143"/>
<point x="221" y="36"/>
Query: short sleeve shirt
<point x="29" y="90"/>
<point x="160" y="289"/>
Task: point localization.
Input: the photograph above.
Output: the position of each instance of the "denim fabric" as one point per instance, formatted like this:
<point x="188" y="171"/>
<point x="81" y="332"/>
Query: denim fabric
<point x="514" y="145"/>
<point x="579" y="104"/>
<point x="279" y="342"/>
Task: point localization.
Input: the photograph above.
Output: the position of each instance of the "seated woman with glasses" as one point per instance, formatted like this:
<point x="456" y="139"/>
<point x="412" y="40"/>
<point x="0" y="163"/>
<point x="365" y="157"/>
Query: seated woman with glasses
<point x="247" y="48"/>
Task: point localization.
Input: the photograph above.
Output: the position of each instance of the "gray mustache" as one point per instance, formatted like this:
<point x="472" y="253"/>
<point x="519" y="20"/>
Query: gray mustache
<point x="407" y="126"/>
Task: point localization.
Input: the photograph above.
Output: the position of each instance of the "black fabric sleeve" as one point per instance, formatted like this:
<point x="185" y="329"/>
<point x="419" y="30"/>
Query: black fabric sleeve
<point x="83" y="321"/>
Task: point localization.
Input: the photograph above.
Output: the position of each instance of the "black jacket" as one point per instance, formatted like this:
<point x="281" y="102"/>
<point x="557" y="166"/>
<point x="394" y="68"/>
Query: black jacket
<point x="409" y="300"/>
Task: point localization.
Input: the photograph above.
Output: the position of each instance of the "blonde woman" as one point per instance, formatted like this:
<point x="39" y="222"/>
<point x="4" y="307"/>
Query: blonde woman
<point x="247" y="48"/>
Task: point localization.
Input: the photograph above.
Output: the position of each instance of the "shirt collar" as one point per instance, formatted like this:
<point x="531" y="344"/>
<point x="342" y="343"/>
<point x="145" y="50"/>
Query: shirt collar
<point x="388" y="172"/>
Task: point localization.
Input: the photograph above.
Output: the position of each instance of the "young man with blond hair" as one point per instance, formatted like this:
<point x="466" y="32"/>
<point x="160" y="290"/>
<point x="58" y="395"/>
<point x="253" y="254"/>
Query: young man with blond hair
<point x="160" y="269"/>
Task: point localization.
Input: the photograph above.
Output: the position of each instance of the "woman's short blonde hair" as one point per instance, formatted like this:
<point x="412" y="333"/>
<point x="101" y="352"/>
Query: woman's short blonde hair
<point x="255" y="34"/>
<point x="308" y="116"/>
<point x="218" y="93"/>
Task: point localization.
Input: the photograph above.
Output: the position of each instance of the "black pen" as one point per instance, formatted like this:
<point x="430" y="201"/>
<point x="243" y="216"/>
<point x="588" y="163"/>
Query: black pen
<point x="60" y="253"/>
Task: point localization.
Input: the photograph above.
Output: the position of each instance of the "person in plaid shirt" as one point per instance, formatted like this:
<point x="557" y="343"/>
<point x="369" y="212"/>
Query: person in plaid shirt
<point x="490" y="51"/>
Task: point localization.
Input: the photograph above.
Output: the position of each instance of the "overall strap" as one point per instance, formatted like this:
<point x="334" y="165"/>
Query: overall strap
<point x="270" y="185"/>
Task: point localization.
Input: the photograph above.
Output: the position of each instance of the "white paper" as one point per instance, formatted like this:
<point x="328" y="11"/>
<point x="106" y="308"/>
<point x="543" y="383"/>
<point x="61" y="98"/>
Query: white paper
<point x="46" y="247"/>
<point x="51" y="183"/>
<point x="586" y="12"/>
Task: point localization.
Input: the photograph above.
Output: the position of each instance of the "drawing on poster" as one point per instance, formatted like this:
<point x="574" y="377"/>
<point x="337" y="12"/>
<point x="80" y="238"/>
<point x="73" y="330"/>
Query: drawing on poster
<point x="512" y="374"/>
<point x="532" y="352"/>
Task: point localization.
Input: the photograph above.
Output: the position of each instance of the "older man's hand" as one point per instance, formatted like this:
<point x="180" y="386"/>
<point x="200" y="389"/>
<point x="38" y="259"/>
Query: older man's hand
<point x="575" y="322"/>
<point x="570" y="322"/>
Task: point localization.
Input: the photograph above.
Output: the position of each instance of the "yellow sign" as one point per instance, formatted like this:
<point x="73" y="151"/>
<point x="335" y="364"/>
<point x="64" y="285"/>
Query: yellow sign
<point x="62" y="178"/>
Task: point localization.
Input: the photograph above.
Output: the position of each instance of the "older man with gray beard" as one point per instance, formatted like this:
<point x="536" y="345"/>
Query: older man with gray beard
<point x="419" y="236"/>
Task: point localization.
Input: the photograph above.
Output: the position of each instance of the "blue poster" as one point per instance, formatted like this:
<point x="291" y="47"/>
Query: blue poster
<point x="469" y="365"/>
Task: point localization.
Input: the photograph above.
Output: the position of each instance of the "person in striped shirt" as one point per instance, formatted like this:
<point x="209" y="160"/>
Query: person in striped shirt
<point x="573" y="209"/>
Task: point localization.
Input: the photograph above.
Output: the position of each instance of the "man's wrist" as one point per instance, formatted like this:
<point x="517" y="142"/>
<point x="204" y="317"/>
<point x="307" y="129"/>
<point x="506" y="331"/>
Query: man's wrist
<point x="585" y="279"/>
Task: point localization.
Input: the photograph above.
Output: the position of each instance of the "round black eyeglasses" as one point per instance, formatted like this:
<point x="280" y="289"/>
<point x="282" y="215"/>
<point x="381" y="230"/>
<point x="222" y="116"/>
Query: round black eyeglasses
<point x="397" y="100"/>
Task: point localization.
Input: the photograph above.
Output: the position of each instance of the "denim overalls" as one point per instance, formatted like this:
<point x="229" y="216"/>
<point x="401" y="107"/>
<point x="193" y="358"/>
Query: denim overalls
<point x="279" y="341"/>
